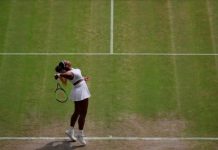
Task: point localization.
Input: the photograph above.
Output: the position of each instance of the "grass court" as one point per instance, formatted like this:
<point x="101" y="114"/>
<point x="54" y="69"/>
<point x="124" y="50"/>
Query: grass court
<point x="153" y="66"/>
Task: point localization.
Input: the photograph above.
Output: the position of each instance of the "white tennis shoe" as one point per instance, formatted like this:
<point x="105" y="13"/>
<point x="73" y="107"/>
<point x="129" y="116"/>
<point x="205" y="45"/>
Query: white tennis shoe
<point x="80" y="138"/>
<point x="70" y="134"/>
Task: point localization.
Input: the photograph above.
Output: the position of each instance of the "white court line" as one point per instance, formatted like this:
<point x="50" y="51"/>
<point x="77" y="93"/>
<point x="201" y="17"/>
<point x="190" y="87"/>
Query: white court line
<point x="112" y="28"/>
<point x="166" y="54"/>
<point x="118" y="138"/>
<point x="109" y="54"/>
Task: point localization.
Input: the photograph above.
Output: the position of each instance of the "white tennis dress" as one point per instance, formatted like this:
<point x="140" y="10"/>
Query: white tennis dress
<point x="80" y="90"/>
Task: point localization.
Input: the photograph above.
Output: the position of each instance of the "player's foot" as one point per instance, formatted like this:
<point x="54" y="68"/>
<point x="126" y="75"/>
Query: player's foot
<point x="80" y="138"/>
<point x="70" y="134"/>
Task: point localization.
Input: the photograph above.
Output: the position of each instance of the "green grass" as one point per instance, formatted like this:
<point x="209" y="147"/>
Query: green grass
<point x="191" y="25"/>
<point x="141" y="26"/>
<point x="148" y="86"/>
<point x="198" y="92"/>
<point x="54" y="26"/>
<point x="133" y="86"/>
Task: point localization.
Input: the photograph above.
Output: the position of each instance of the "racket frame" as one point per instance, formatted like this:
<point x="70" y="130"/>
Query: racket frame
<point x="59" y="87"/>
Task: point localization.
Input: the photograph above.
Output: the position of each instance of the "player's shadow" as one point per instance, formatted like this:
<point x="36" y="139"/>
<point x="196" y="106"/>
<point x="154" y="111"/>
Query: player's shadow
<point x="60" y="145"/>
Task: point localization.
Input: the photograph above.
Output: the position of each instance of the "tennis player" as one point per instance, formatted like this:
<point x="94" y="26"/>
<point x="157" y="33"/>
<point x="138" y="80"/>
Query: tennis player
<point x="80" y="95"/>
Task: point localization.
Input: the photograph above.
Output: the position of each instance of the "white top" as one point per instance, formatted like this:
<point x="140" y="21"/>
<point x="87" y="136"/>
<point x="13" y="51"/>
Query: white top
<point x="80" y="91"/>
<point x="77" y="75"/>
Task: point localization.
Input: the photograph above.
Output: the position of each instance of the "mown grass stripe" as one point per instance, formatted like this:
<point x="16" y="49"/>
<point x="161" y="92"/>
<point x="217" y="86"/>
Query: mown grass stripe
<point x="173" y="48"/>
<point x="9" y="23"/>
<point x="212" y="30"/>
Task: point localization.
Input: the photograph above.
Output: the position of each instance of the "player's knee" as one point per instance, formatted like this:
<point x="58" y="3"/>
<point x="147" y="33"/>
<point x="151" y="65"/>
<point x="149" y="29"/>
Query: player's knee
<point x="83" y="115"/>
<point x="76" y="113"/>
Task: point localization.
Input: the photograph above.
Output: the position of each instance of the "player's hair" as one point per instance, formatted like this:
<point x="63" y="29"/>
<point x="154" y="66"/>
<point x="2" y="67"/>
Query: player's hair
<point x="62" y="64"/>
<point x="63" y="81"/>
<point x="58" y="69"/>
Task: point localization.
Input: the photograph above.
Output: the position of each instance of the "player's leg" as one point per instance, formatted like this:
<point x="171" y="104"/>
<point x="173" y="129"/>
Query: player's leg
<point x="70" y="132"/>
<point x="75" y="115"/>
<point x="82" y="116"/>
<point x="83" y="112"/>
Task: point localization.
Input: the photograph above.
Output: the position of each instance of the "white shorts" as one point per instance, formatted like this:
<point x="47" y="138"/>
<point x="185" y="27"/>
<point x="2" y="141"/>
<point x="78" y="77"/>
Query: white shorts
<point x="80" y="92"/>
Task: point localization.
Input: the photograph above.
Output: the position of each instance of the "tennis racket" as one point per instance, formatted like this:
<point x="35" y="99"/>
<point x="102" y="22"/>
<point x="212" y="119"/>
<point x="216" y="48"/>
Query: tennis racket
<point x="60" y="94"/>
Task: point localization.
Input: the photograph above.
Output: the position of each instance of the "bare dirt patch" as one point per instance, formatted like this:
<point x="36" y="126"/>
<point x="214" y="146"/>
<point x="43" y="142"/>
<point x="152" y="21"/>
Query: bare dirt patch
<point x="165" y="126"/>
<point x="135" y="125"/>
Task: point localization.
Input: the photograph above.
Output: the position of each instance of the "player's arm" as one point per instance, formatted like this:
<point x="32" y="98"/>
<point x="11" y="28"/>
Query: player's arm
<point x="67" y="75"/>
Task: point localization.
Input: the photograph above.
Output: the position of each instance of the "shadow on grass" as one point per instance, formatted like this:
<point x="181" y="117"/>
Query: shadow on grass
<point x="60" y="145"/>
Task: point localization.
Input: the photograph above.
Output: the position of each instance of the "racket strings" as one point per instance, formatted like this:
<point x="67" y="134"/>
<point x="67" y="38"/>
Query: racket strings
<point x="61" y="94"/>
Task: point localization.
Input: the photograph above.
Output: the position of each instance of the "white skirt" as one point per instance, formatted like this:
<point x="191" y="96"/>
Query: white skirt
<point x="80" y="92"/>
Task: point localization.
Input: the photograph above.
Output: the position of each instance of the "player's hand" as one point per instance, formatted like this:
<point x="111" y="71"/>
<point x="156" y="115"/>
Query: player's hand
<point x="86" y="78"/>
<point x="56" y="76"/>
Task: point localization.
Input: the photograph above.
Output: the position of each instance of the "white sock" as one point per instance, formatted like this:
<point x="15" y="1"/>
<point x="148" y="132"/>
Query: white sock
<point x="71" y="128"/>
<point x="81" y="132"/>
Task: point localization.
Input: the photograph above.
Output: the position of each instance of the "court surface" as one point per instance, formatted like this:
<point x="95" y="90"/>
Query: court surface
<point x="153" y="68"/>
